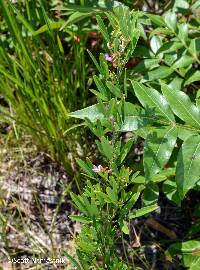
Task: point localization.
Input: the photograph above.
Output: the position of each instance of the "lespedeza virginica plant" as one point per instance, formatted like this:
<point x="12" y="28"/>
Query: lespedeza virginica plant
<point x="155" y="100"/>
<point x="112" y="189"/>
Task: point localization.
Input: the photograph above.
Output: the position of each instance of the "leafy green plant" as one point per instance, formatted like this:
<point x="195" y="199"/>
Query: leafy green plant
<point x="157" y="100"/>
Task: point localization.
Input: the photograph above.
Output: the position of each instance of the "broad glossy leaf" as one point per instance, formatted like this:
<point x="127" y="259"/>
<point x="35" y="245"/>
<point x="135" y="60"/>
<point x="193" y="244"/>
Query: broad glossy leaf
<point x="170" y="20"/>
<point x="184" y="133"/>
<point x="176" y="83"/>
<point x="183" y="31"/>
<point x="153" y="99"/>
<point x="161" y="31"/>
<point x="146" y="64"/>
<point x="182" y="106"/>
<point x="179" y="5"/>
<point x="196" y="4"/>
<point x="193" y="264"/>
<point x="170" y="46"/>
<point x="136" y="118"/>
<point x="190" y="252"/>
<point x="92" y="113"/>
<point x="169" y="59"/>
<point x="158" y="147"/>
<point x="142" y="51"/>
<point x="170" y="190"/>
<point x="195" y="77"/>
<point x="194" y="46"/>
<point x="143" y="132"/>
<point x="188" y="164"/>
<point x="150" y="195"/>
<point x="183" y="61"/>
<point x="158" y="73"/>
<point x="156" y="19"/>
<point x="195" y="228"/>
<point x="192" y="247"/>
<point x="155" y="43"/>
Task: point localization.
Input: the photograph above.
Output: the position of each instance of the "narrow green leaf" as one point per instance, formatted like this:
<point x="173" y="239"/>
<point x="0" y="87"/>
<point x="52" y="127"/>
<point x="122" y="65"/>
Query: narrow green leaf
<point x="10" y="77"/>
<point x="129" y="204"/>
<point x="112" y="195"/>
<point x="45" y="28"/>
<point x="156" y="19"/>
<point x="188" y="164"/>
<point x="125" y="150"/>
<point x="21" y="18"/>
<point x="95" y="61"/>
<point x="114" y="89"/>
<point x="125" y="228"/>
<point x="182" y="106"/>
<point x="107" y="148"/>
<point x="79" y="204"/>
<point x="75" y="17"/>
<point x="104" y="66"/>
<point x="60" y="44"/>
<point x="143" y="211"/>
<point x="72" y="261"/>
<point x="85" y="167"/>
<point x="81" y="219"/>
<point x="102" y="28"/>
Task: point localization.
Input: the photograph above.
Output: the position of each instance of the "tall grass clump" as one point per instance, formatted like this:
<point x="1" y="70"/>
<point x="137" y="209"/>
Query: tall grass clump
<point x="39" y="78"/>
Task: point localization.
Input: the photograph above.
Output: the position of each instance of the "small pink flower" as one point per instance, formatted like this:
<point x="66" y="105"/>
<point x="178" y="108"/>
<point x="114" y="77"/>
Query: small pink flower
<point x="97" y="169"/>
<point x="108" y="57"/>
